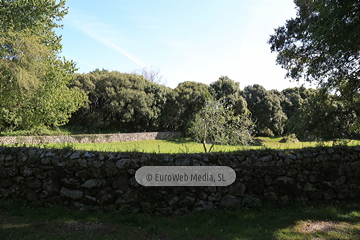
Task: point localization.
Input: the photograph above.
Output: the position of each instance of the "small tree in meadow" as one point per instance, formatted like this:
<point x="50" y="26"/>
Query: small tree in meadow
<point x="215" y="124"/>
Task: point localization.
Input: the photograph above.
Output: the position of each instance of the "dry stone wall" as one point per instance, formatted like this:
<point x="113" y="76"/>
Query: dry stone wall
<point x="89" y="138"/>
<point x="86" y="180"/>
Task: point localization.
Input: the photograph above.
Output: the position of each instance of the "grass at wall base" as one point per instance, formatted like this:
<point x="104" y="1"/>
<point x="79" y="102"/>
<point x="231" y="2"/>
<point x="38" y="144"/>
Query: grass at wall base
<point x="185" y="145"/>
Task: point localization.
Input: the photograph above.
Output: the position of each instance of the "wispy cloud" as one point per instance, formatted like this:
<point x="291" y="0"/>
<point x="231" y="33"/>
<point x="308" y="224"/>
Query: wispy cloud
<point x="80" y="61"/>
<point x="100" y="32"/>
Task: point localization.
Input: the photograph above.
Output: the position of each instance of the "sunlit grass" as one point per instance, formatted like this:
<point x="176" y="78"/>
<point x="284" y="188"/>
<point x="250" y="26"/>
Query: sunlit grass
<point x="274" y="143"/>
<point x="151" y="146"/>
<point x="186" y="146"/>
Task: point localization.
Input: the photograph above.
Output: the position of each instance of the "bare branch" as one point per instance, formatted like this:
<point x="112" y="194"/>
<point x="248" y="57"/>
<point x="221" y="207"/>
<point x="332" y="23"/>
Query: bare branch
<point x="151" y="74"/>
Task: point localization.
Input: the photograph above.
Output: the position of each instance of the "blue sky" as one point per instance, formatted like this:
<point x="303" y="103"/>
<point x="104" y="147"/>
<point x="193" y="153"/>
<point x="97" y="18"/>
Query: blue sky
<point x="188" y="40"/>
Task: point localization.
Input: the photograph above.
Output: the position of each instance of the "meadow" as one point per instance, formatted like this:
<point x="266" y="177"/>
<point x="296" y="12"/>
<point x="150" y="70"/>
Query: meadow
<point x="185" y="145"/>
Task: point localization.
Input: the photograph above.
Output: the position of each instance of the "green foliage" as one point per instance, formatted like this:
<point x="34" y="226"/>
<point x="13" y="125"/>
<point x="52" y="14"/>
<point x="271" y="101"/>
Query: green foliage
<point x="324" y="117"/>
<point x="322" y="45"/>
<point x="227" y="92"/>
<point x="119" y="99"/>
<point x="217" y="125"/>
<point x="268" y="133"/>
<point x="33" y="86"/>
<point x="294" y="98"/>
<point x="265" y="108"/>
<point x="183" y="103"/>
<point x="36" y="131"/>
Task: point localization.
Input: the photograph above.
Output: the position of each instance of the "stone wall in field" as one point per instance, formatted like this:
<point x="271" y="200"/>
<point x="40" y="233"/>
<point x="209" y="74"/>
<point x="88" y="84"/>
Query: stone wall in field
<point x="90" y="138"/>
<point x="106" y="180"/>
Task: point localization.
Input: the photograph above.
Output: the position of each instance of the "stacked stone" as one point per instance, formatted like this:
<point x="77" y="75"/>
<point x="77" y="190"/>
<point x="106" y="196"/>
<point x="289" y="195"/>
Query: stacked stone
<point x="90" y="138"/>
<point x="92" y="180"/>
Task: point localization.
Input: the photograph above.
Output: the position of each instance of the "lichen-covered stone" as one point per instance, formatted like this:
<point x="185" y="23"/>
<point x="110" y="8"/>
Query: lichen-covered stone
<point x="267" y="158"/>
<point x="46" y="160"/>
<point x="82" y="162"/>
<point x="83" y="175"/>
<point x="75" y="155"/>
<point x="123" y="163"/>
<point x="182" y="211"/>
<point x="187" y="202"/>
<point x="26" y="172"/>
<point x="105" y="196"/>
<point x="202" y="206"/>
<point x="309" y="187"/>
<point x="229" y="201"/>
<point x="214" y="196"/>
<point x="73" y="194"/>
<point x="94" y="183"/>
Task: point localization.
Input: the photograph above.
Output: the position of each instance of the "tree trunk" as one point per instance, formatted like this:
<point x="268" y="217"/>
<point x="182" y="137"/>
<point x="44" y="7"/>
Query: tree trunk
<point x="204" y="145"/>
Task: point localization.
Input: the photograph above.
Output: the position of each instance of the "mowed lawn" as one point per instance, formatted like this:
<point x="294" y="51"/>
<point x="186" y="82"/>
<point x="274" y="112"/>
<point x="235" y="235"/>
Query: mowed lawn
<point x="303" y="221"/>
<point x="187" y="146"/>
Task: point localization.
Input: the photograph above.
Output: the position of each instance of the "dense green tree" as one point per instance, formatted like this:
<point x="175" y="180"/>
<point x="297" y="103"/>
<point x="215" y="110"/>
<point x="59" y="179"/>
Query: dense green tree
<point x="33" y="85"/>
<point x="185" y="101"/>
<point x="215" y="124"/>
<point x="324" y="117"/>
<point x="227" y="92"/>
<point x="322" y="45"/>
<point x="294" y="98"/>
<point x="266" y="110"/>
<point x="127" y="101"/>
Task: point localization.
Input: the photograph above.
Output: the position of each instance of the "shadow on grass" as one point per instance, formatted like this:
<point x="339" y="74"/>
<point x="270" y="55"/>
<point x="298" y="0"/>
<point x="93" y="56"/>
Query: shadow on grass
<point x="306" y="221"/>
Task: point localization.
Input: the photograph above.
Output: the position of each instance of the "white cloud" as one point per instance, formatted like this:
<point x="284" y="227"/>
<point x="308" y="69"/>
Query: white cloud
<point x="100" y="32"/>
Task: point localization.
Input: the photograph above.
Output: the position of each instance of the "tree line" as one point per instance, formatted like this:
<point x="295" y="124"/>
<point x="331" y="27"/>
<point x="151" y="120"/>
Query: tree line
<point x="130" y="102"/>
<point x="320" y="45"/>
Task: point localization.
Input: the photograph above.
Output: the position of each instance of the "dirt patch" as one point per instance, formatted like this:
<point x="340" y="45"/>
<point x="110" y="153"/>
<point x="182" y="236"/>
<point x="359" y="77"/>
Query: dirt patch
<point x="325" y="226"/>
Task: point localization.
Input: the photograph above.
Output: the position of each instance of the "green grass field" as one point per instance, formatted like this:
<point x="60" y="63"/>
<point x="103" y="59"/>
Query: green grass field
<point x="310" y="221"/>
<point x="186" y="146"/>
